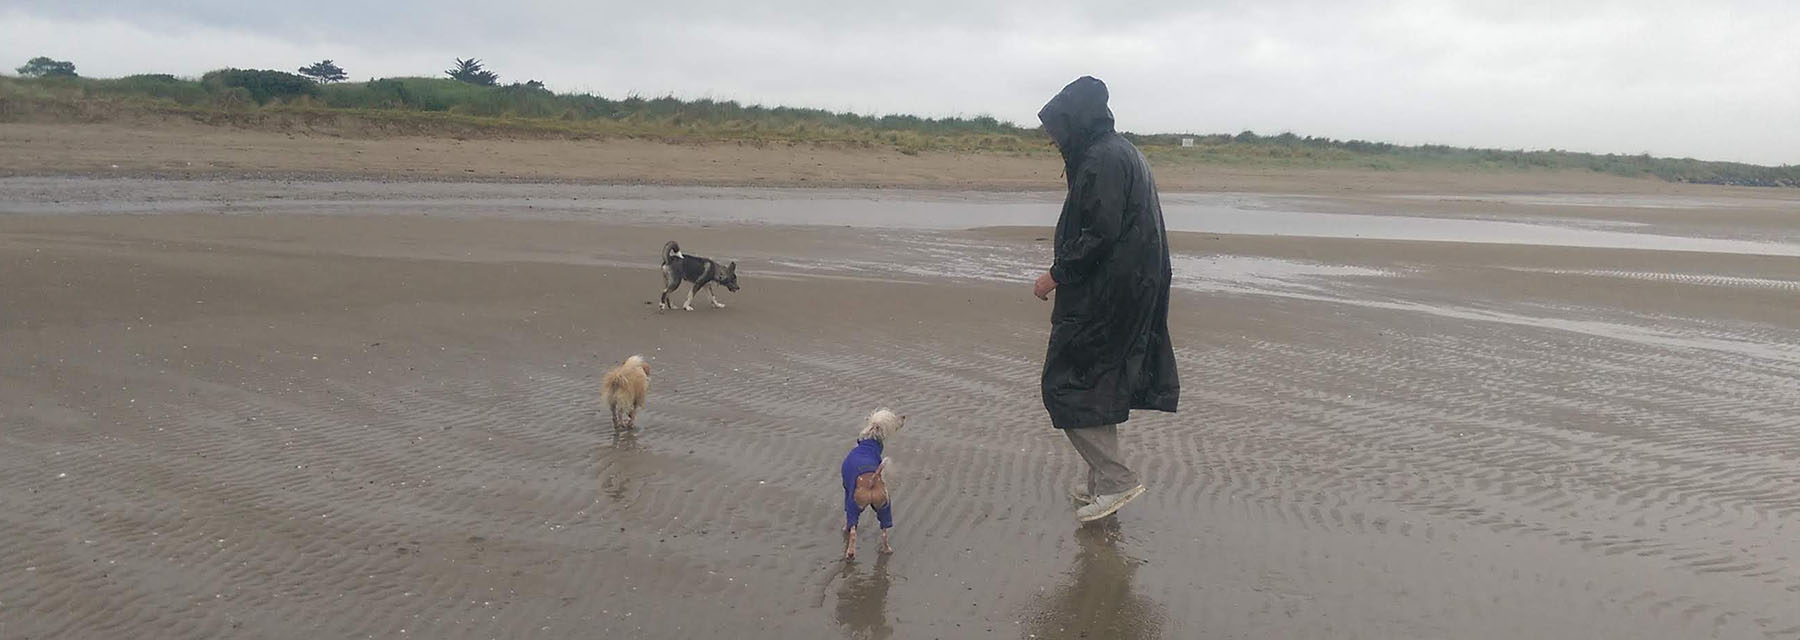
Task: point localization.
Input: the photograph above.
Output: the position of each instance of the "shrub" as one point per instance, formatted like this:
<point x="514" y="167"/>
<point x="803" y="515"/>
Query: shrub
<point x="263" y="84"/>
<point x="155" y="85"/>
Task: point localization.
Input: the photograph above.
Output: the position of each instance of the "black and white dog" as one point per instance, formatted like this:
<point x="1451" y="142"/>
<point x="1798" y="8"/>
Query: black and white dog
<point x="678" y="267"/>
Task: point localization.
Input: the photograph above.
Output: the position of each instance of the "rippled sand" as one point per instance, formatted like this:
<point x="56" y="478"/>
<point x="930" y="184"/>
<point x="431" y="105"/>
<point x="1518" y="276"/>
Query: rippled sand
<point x="337" y="420"/>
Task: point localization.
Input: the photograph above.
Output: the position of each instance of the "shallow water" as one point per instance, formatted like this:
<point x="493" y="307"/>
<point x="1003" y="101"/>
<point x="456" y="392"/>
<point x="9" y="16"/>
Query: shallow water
<point x="1631" y="201"/>
<point x="1242" y="214"/>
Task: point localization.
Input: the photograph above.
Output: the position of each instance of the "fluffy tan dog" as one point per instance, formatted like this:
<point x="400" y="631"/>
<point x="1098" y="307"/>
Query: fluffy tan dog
<point x="624" y="389"/>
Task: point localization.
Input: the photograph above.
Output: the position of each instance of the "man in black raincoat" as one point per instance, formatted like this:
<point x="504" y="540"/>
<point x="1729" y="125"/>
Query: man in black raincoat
<point x="1109" y="329"/>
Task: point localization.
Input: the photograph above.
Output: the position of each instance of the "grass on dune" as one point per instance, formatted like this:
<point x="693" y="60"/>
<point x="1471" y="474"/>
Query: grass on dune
<point x="445" y="107"/>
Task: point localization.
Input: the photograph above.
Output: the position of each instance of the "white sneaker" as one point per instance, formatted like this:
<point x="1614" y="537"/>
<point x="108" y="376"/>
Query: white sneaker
<point x="1105" y="505"/>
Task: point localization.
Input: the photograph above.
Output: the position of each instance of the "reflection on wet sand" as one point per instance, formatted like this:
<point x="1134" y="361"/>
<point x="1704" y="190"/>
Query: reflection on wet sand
<point x="862" y="600"/>
<point x="617" y="471"/>
<point x="624" y="439"/>
<point x="1097" y="600"/>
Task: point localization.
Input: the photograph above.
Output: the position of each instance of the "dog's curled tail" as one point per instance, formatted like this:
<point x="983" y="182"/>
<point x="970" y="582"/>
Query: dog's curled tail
<point x="883" y="466"/>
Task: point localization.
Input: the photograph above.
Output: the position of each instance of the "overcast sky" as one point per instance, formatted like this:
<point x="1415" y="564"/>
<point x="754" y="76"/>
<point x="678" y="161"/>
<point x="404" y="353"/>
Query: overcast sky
<point x="1714" y="80"/>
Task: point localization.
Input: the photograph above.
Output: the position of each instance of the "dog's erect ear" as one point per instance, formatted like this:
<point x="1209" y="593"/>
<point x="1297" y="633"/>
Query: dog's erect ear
<point x="731" y="268"/>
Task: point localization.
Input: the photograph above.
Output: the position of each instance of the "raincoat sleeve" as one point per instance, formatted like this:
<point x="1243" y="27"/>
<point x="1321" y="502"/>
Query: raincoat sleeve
<point x="1100" y="203"/>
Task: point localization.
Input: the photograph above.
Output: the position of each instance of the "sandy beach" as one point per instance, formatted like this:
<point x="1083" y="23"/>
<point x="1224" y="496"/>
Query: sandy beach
<point x="291" y="394"/>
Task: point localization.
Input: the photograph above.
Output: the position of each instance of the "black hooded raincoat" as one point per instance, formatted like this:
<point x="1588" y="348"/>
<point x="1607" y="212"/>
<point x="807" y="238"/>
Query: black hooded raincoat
<point x="1109" y="335"/>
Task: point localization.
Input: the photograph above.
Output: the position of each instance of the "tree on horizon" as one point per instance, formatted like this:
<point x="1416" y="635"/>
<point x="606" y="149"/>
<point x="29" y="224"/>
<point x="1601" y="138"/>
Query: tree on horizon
<point x="470" y="71"/>
<point x="44" y="67"/>
<point x="324" y="71"/>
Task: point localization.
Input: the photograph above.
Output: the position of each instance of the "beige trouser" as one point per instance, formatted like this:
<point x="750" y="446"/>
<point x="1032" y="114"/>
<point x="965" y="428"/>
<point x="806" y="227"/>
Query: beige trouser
<point x="1099" y="446"/>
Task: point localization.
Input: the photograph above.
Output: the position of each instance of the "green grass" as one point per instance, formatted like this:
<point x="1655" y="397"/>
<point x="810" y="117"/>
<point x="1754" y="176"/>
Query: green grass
<point x="440" y="106"/>
<point x="430" y="106"/>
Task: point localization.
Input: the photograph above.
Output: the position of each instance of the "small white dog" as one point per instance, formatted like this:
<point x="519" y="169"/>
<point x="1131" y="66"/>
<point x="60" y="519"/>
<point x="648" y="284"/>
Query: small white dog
<point x="863" y="485"/>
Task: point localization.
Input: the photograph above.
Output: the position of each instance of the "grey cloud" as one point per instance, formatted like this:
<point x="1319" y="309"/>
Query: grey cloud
<point x="1719" y="80"/>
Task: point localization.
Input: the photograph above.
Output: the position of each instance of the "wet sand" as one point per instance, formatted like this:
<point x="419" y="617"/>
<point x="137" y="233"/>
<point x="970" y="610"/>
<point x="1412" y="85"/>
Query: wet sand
<point x="325" y="415"/>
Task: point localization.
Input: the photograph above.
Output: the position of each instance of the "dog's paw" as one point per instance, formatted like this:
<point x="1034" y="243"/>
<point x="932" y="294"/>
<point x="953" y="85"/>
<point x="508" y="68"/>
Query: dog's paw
<point x="718" y="305"/>
<point x="687" y="307"/>
<point x="662" y="306"/>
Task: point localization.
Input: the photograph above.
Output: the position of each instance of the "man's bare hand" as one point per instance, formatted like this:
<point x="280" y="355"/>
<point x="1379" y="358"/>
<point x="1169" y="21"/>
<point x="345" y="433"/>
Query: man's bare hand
<point x="1044" y="285"/>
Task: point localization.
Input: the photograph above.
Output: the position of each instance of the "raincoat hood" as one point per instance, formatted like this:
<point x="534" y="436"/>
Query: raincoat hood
<point x="1077" y="116"/>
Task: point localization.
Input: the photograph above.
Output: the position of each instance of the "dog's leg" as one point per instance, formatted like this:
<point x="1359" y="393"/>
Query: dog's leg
<point x="884" y="512"/>
<point x="631" y="419"/>
<point x="671" y="282"/>
<point x="715" y="296"/>
<point x="615" y="417"/>
<point x="689" y="305"/>
<point x="850" y="546"/>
